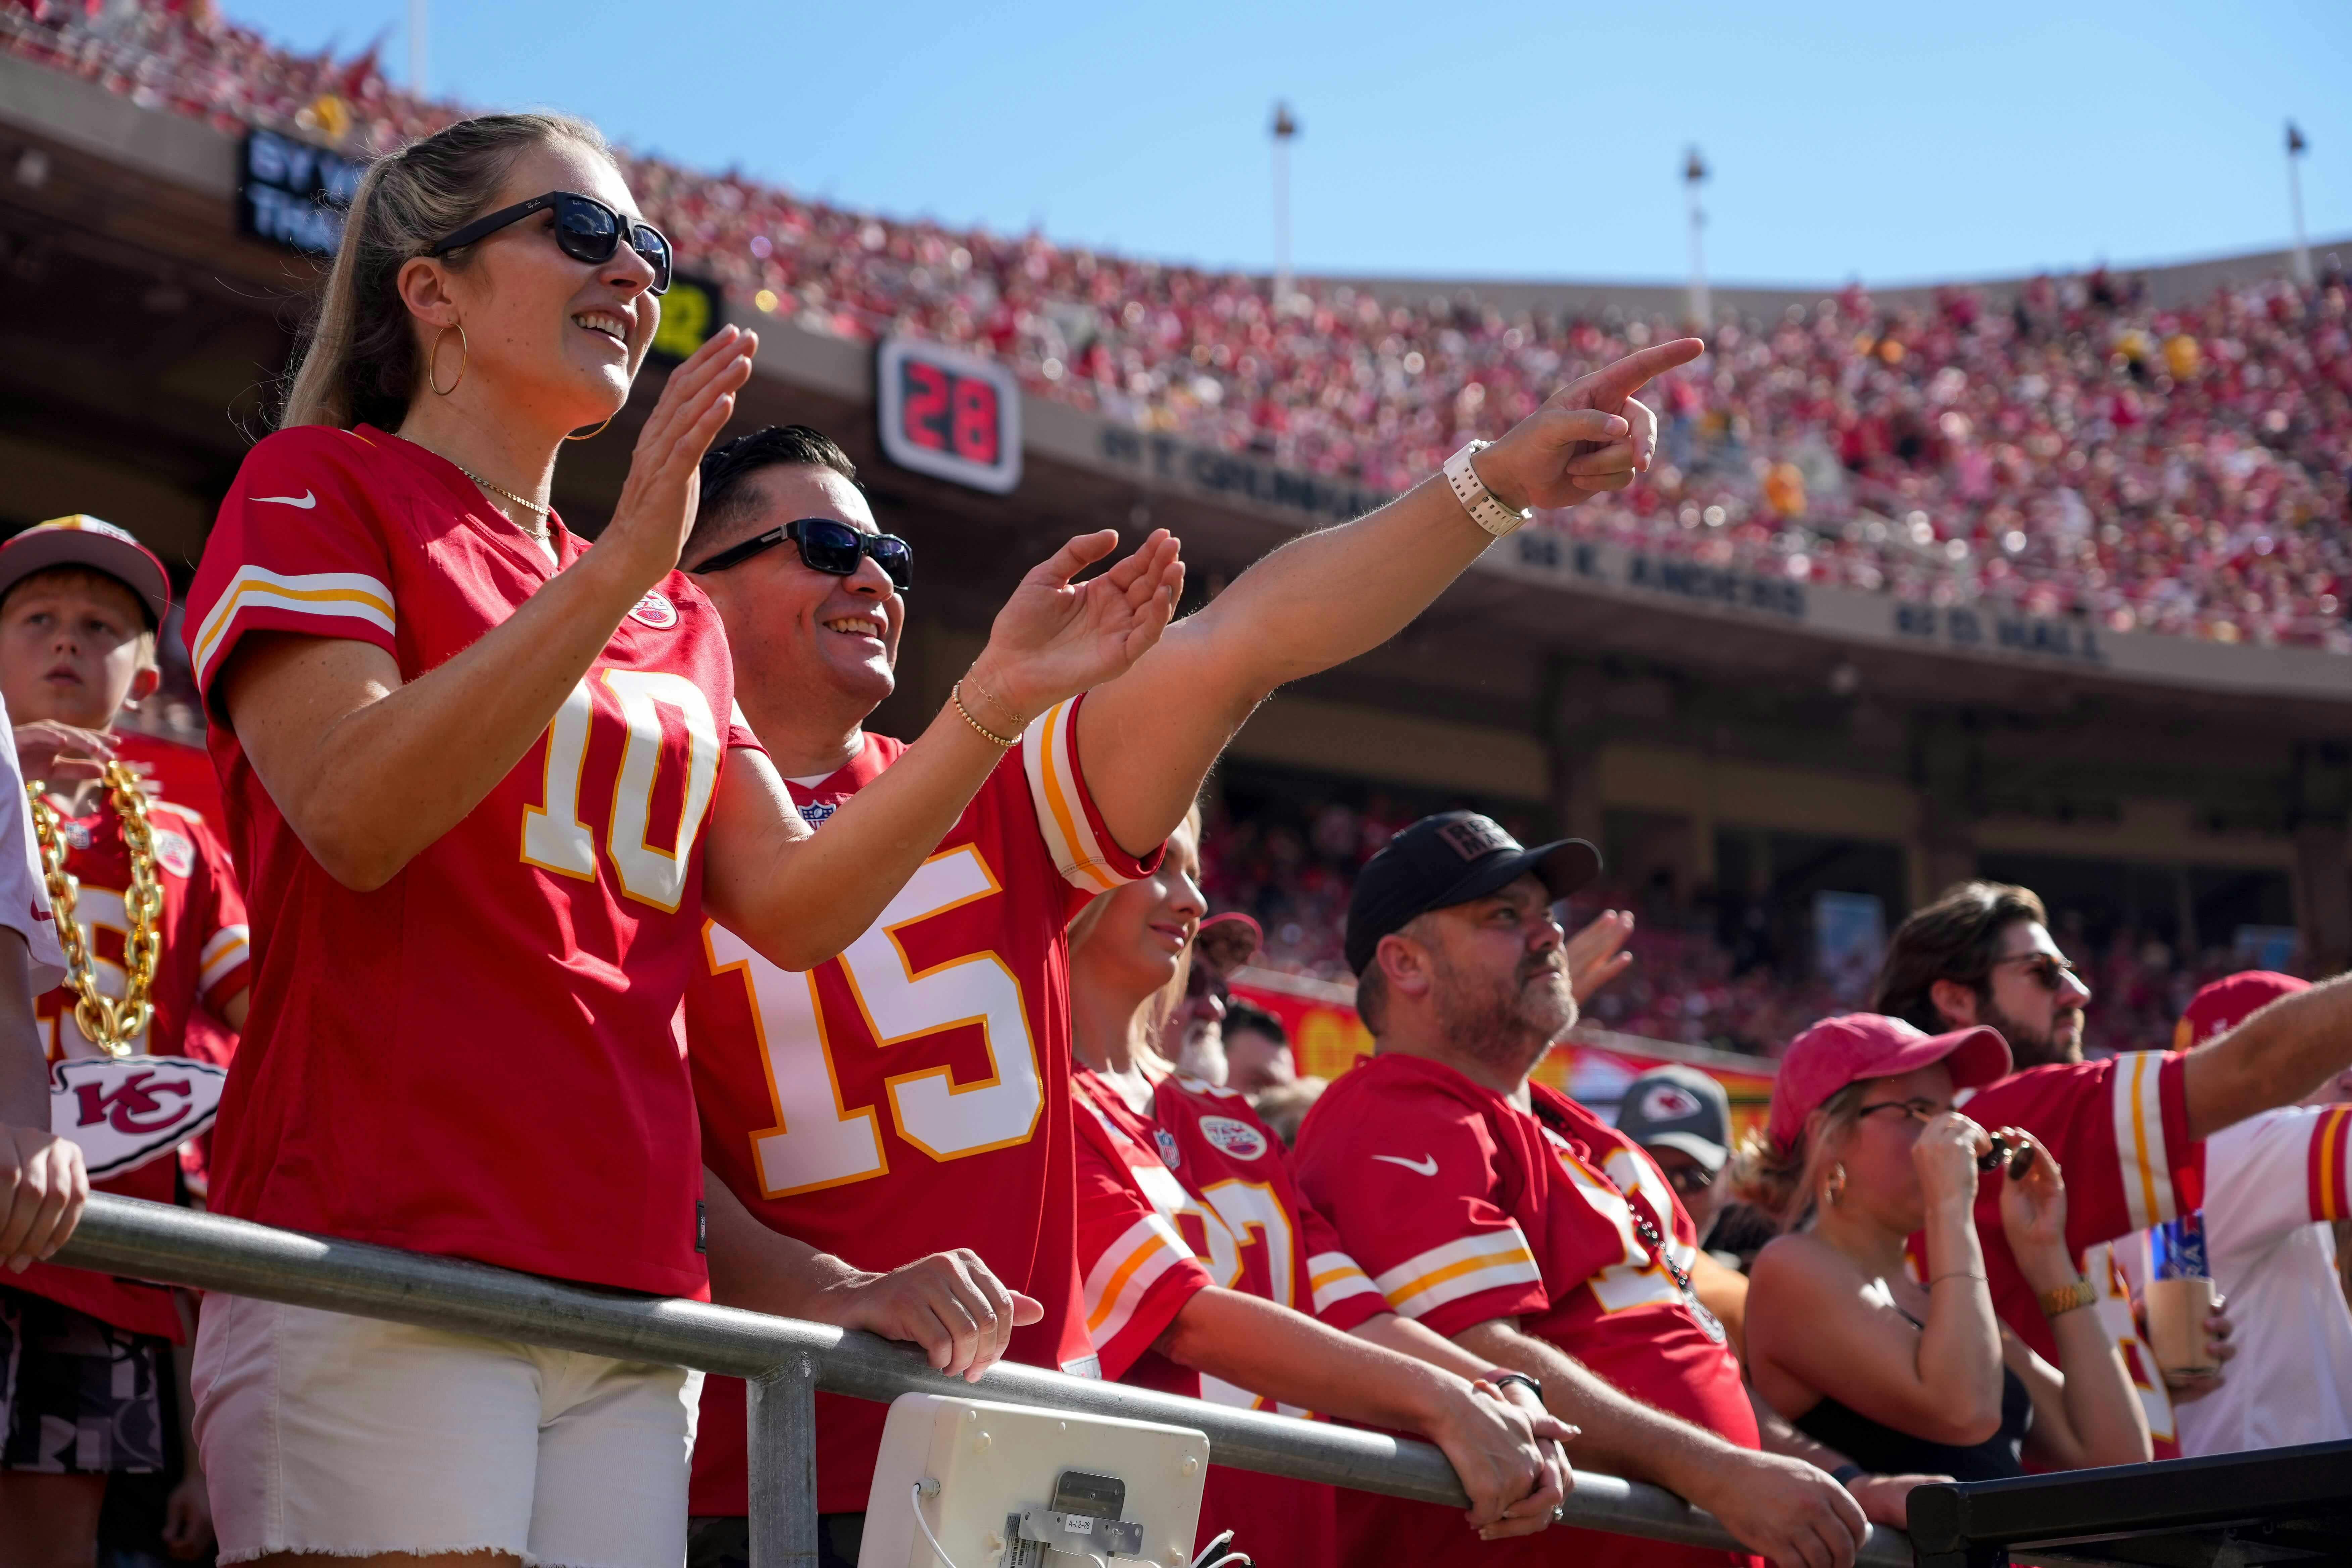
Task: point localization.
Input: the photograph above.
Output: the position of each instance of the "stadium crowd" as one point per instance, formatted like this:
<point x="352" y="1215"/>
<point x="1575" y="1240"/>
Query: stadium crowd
<point x="2073" y="451"/>
<point x="565" y="915"/>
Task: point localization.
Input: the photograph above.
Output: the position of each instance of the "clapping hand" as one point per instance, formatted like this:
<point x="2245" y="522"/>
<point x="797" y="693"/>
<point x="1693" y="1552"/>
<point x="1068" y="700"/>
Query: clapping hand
<point x="1596" y="955"/>
<point x="1056" y="638"/>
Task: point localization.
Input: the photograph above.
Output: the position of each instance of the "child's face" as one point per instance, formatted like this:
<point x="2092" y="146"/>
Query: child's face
<point x="73" y="647"/>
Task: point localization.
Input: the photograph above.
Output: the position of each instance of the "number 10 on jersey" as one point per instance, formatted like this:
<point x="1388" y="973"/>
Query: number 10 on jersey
<point x="555" y="839"/>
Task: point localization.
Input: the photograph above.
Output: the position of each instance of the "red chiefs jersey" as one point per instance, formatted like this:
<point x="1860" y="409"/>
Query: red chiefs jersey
<point x="912" y="1096"/>
<point x="1464" y="1209"/>
<point x="2120" y="1131"/>
<point x="482" y="1057"/>
<point x="205" y="960"/>
<point x="1202" y="1194"/>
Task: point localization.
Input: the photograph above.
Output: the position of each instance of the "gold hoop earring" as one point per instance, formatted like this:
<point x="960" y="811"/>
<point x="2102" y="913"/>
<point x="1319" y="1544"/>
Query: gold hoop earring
<point x="1834" y="1189"/>
<point x="432" y="359"/>
<point x="597" y="432"/>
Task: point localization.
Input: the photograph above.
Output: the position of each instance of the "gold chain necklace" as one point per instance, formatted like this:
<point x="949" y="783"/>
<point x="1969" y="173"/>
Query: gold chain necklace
<point x="533" y="507"/>
<point x="109" y="1025"/>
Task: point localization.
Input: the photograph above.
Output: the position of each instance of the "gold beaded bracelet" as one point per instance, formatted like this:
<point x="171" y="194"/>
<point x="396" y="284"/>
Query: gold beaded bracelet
<point x="2067" y="1298"/>
<point x="993" y="701"/>
<point x="955" y="695"/>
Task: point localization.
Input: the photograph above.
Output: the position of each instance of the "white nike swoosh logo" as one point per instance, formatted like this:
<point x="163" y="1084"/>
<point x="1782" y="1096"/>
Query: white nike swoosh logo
<point x="1425" y="1166"/>
<point x="306" y="501"/>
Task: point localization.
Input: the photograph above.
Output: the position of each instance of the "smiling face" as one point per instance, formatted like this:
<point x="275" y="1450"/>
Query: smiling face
<point x="74" y="646"/>
<point x="1136" y="937"/>
<point x="549" y="338"/>
<point x="793" y="628"/>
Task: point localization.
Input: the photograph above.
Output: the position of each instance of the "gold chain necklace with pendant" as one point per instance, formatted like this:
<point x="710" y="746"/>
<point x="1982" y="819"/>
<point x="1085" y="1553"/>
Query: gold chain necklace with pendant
<point x="107" y="1024"/>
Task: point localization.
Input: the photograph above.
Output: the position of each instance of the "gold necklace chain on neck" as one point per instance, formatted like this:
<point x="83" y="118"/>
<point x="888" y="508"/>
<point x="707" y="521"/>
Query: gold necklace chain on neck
<point x="539" y="534"/>
<point x="109" y="1025"/>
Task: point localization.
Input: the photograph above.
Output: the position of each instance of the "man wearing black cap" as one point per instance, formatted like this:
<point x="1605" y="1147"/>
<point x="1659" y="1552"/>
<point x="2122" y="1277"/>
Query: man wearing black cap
<point x="1507" y="1217"/>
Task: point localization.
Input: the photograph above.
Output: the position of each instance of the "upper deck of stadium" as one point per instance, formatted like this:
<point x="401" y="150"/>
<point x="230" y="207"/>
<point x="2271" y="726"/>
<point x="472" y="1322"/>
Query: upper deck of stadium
<point x="2111" y="454"/>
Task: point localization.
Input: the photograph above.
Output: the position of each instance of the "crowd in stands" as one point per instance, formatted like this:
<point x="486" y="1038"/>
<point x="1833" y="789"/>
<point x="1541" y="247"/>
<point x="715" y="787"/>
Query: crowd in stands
<point x="2072" y="451"/>
<point x="1703" y="973"/>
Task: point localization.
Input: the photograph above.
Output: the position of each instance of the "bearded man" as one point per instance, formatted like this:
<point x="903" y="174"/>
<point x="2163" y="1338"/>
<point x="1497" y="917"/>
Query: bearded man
<point x="1511" y="1219"/>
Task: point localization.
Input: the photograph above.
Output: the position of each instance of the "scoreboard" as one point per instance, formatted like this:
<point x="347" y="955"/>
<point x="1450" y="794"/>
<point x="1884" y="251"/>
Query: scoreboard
<point x="948" y="415"/>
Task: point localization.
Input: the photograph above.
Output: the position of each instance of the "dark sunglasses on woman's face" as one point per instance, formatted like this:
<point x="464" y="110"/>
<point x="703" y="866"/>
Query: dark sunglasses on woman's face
<point x="585" y="230"/>
<point x="826" y="545"/>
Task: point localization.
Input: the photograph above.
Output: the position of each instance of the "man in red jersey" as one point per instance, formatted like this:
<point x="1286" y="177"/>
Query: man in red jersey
<point x="79" y="603"/>
<point x="858" y="1110"/>
<point x="1508" y="1217"/>
<point x="2128" y="1131"/>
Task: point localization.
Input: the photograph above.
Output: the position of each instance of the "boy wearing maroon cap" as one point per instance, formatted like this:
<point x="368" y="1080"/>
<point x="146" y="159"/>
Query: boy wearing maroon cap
<point x="154" y="927"/>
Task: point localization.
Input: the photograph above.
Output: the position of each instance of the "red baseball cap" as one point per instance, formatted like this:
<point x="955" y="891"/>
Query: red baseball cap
<point x="2228" y="1001"/>
<point x="1836" y="1052"/>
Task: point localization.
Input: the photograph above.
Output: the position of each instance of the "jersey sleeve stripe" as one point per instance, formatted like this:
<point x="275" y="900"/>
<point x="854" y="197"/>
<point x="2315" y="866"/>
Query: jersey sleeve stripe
<point x="349" y="595"/>
<point x="230" y="946"/>
<point x="2331" y="1165"/>
<point x="1333" y="1276"/>
<point x="1054" y="791"/>
<point x="1492" y="1261"/>
<point x="2143" y="1167"/>
<point x="1126" y="1271"/>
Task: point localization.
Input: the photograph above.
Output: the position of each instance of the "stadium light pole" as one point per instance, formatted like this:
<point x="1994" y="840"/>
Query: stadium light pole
<point x="2294" y="147"/>
<point x="1702" y="309"/>
<point x="416" y="47"/>
<point x="1284" y="128"/>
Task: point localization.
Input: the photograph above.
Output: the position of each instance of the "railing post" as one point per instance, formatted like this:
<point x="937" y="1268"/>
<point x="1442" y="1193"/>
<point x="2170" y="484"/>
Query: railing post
<point x="782" y="1442"/>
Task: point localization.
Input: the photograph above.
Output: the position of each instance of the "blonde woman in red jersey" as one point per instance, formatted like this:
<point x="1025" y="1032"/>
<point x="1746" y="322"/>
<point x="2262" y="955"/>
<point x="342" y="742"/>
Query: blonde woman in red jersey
<point x="472" y="769"/>
<point x="1208" y="1274"/>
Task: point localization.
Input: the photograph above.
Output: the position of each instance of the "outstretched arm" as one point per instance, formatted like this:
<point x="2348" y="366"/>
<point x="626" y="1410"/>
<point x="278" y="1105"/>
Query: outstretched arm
<point x="2274" y="1058"/>
<point x="798" y="898"/>
<point x="1150" y="735"/>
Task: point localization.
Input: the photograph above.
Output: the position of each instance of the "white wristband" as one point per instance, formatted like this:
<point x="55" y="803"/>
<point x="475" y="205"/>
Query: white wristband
<point x="1476" y="498"/>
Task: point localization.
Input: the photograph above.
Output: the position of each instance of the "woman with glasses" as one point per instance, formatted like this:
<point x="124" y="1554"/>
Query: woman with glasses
<point x="1900" y="1363"/>
<point x="485" y="784"/>
<point x="1208" y="1274"/>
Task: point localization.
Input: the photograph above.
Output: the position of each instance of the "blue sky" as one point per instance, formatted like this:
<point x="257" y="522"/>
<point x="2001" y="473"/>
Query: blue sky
<point x="1882" y="142"/>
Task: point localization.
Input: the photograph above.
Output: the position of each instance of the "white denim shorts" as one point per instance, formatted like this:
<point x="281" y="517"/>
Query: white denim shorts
<point x="346" y="1435"/>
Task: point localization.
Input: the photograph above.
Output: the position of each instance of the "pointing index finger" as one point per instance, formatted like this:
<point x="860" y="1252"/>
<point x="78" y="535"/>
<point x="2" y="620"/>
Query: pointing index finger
<point x="1615" y="382"/>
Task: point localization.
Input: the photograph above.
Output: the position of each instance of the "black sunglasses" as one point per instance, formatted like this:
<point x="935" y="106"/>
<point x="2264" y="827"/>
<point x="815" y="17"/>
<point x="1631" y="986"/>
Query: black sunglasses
<point x="826" y="545"/>
<point x="2050" y="970"/>
<point x="585" y="230"/>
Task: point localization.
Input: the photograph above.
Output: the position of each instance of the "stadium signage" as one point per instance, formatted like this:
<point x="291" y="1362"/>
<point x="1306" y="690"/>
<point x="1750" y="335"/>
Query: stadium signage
<point x="690" y="312"/>
<point x="949" y="416"/>
<point x="293" y="195"/>
<point x="1224" y="473"/>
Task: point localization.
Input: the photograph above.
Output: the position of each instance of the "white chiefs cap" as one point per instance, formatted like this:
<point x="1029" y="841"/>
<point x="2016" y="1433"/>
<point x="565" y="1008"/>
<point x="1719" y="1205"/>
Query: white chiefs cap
<point x="83" y="541"/>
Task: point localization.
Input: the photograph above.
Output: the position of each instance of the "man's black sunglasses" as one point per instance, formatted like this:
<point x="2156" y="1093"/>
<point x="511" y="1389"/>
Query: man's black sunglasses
<point x="826" y="545"/>
<point x="585" y="230"/>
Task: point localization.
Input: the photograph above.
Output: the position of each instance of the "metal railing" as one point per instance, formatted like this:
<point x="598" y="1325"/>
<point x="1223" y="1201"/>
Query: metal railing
<point x="785" y="1361"/>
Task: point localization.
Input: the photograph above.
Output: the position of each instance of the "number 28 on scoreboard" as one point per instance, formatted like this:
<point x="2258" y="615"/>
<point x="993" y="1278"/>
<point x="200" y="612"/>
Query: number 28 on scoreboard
<point x="948" y="416"/>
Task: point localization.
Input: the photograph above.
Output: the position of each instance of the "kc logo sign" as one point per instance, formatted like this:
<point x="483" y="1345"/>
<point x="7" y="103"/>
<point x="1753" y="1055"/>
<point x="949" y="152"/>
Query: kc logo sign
<point x="127" y="1111"/>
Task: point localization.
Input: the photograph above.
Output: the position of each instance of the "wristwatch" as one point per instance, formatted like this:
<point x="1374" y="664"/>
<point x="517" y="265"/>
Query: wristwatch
<point x="1476" y="498"/>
